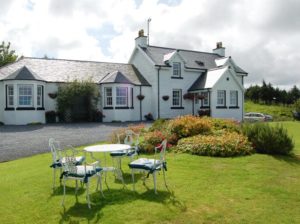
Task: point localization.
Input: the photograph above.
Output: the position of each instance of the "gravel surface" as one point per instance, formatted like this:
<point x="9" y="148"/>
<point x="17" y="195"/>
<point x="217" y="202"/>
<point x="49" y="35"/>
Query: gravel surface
<point x="22" y="141"/>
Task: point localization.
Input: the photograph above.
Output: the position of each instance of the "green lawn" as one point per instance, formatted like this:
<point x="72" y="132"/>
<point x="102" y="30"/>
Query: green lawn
<point x="252" y="189"/>
<point x="279" y="113"/>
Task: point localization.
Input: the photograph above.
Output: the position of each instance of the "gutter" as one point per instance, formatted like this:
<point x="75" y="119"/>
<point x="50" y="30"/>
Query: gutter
<point x="158" y="93"/>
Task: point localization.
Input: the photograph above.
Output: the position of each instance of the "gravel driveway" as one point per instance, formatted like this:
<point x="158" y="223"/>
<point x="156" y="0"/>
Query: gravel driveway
<point x="21" y="141"/>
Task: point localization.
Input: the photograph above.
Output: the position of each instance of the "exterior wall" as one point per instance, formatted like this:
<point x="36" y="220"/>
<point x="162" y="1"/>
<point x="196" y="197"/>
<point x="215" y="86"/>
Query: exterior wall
<point x="132" y="113"/>
<point x="227" y="85"/>
<point x="21" y="117"/>
<point x="2" y="101"/>
<point x="50" y="104"/>
<point x="148" y="70"/>
<point x="167" y="84"/>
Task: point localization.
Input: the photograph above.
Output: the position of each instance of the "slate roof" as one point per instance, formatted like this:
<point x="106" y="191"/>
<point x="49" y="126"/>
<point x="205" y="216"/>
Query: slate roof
<point x="61" y="70"/>
<point x="23" y="74"/>
<point x="115" y="77"/>
<point x="192" y="59"/>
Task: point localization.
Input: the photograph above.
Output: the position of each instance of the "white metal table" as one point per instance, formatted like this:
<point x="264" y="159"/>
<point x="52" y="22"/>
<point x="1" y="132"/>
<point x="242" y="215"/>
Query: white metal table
<point x="108" y="148"/>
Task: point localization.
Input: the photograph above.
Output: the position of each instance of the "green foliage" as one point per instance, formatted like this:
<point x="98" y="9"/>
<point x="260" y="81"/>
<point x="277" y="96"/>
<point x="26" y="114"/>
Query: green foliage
<point x="189" y="125"/>
<point x="159" y="124"/>
<point x="297" y="106"/>
<point x="113" y="138"/>
<point x="6" y="55"/>
<point x="225" y="124"/>
<point x="224" y="144"/>
<point x="269" y="140"/>
<point x="69" y="92"/>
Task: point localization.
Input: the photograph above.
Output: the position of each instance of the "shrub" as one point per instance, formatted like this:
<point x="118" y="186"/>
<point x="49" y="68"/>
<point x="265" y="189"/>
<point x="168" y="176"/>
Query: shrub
<point x="189" y="125"/>
<point x="226" y="124"/>
<point x="151" y="140"/>
<point x="225" y="144"/>
<point x="269" y="140"/>
<point x="159" y="124"/>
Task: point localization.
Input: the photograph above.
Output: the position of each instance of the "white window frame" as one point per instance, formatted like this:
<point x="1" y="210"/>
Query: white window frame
<point x="176" y="69"/>
<point x="39" y="96"/>
<point x="108" y="99"/>
<point x="233" y="98"/>
<point x="10" y="96"/>
<point x="121" y="97"/>
<point x="24" y="95"/>
<point x="179" y="97"/>
<point x="221" y="98"/>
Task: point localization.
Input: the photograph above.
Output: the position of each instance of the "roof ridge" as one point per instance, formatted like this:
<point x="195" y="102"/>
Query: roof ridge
<point x="179" y="49"/>
<point x="74" y="60"/>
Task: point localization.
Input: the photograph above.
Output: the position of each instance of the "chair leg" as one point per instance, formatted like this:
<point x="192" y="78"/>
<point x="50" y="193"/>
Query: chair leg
<point x="54" y="176"/>
<point x="154" y="180"/>
<point x="60" y="172"/>
<point x="132" y="176"/>
<point x="164" y="174"/>
<point x="88" y="194"/>
<point x="76" y="189"/>
<point x="99" y="182"/>
<point x="63" y="201"/>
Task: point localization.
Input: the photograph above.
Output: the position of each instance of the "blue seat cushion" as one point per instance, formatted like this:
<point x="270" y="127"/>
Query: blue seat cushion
<point x="145" y="164"/>
<point x="58" y="163"/>
<point x="118" y="153"/>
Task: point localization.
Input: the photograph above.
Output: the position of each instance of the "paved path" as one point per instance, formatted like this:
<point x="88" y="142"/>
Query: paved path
<point x="21" y="141"/>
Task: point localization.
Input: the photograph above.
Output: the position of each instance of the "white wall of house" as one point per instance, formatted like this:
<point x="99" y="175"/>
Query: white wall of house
<point x="2" y="101"/>
<point x="227" y="85"/>
<point x="168" y="83"/>
<point x="21" y="117"/>
<point x="50" y="104"/>
<point x="148" y="70"/>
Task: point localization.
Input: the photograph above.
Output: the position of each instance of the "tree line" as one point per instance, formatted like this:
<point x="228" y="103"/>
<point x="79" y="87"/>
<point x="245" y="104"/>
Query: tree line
<point x="267" y="94"/>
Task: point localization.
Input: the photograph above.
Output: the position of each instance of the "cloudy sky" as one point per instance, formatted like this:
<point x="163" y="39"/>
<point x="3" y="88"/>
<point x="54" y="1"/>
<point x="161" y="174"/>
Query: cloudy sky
<point x="263" y="37"/>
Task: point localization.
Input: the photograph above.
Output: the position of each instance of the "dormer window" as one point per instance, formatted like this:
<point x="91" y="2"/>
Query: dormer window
<point x="176" y="69"/>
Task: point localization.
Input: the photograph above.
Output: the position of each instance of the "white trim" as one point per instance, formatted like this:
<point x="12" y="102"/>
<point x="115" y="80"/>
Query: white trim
<point x="179" y="98"/>
<point x="105" y="97"/>
<point x="122" y="97"/>
<point x="32" y="95"/>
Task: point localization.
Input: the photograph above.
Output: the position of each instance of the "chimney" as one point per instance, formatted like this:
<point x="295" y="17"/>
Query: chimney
<point x="141" y="40"/>
<point x="220" y="50"/>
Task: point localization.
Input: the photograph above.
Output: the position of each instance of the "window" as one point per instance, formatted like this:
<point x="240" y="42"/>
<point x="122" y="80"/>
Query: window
<point x="176" y="69"/>
<point x="10" y="96"/>
<point x="39" y="96"/>
<point x="205" y="101"/>
<point x="221" y="98"/>
<point x="233" y="98"/>
<point x="25" y="95"/>
<point x="121" y="96"/>
<point x="176" y="100"/>
<point x="108" y="96"/>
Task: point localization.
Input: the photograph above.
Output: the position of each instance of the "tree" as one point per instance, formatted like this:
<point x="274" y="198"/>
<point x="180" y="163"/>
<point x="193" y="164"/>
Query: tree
<point x="6" y="55"/>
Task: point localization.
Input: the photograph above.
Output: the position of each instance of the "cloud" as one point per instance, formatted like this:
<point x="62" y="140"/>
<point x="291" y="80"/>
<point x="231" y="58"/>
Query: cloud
<point x="261" y="36"/>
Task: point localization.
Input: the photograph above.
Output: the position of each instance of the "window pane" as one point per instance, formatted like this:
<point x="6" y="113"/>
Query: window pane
<point x="176" y="69"/>
<point x="25" y="95"/>
<point x="39" y="96"/>
<point x="233" y="98"/>
<point x="121" y="96"/>
<point x="221" y="97"/>
<point x="108" y="97"/>
<point x="176" y="97"/>
<point x="10" y="95"/>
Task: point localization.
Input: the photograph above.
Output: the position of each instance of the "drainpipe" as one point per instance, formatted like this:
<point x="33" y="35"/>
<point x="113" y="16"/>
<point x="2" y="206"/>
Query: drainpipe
<point x="140" y="104"/>
<point x="243" y="95"/>
<point x="158" y="93"/>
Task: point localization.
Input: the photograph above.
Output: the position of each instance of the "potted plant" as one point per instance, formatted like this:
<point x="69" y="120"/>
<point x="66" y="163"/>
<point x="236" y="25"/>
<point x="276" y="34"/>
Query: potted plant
<point x="140" y="97"/>
<point x="205" y="112"/>
<point x="165" y="98"/>
<point x="50" y="116"/>
<point x="149" y="117"/>
<point x="52" y="95"/>
<point x="98" y="116"/>
<point x="189" y="96"/>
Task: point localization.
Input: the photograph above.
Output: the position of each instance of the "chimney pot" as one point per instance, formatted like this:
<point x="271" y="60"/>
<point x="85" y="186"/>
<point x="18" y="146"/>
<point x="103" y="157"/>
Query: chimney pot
<point x="220" y="50"/>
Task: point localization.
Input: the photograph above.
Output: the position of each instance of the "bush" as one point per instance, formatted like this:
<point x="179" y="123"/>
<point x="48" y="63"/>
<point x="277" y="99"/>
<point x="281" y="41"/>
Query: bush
<point x="159" y="124"/>
<point x="226" y="144"/>
<point x="186" y="126"/>
<point x="226" y="124"/>
<point x="269" y="140"/>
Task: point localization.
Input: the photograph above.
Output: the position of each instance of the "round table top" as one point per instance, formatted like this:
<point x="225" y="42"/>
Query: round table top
<point x="107" y="148"/>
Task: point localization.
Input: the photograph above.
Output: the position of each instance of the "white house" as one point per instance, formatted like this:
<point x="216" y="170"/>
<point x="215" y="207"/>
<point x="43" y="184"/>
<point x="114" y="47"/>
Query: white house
<point x="164" y="76"/>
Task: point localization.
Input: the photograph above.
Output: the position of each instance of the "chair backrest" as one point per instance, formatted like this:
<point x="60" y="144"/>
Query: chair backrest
<point x="162" y="147"/>
<point x="131" y="138"/>
<point x="70" y="161"/>
<point x="55" y="149"/>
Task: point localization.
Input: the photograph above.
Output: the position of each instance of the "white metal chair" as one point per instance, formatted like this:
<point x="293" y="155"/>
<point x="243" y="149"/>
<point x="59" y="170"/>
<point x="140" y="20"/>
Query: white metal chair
<point x="82" y="173"/>
<point x="131" y="138"/>
<point x="58" y="160"/>
<point x="152" y="166"/>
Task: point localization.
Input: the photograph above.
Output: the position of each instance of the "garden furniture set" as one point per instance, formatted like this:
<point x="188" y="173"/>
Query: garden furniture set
<point x="74" y="167"/>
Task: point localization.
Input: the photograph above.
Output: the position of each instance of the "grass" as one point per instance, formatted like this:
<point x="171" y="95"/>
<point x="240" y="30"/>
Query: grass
<point x="251" y="189"/>
<point x="279" y="113"/>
